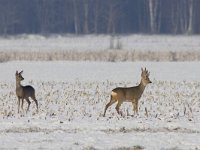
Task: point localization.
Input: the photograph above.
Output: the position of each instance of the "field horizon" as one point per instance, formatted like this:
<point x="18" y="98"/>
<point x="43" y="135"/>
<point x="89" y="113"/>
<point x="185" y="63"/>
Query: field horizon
<point x="119" y="48"/>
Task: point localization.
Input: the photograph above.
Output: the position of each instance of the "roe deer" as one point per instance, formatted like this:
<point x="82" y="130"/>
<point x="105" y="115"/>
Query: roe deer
<point x="129" y="94"/>
<point x="24" y="92"/>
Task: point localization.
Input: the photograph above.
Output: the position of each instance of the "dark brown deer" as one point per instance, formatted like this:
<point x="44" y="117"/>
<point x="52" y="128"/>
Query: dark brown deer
<point x="24" y="92"/>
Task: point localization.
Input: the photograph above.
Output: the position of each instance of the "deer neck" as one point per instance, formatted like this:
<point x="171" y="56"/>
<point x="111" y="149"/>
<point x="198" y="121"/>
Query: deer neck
<point x="18" y="84"/>
<point x="141" y="86"/>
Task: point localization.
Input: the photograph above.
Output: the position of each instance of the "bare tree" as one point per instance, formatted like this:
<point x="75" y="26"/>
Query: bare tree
<point x="154" y="15"/>
<point x="190" y="24"/>
<point x="76" y="18"/>
<point x="96" y="15"/>
<point x="86" y="11"/>
<point x="113" y="16"/>
<point x="174" y="17"/>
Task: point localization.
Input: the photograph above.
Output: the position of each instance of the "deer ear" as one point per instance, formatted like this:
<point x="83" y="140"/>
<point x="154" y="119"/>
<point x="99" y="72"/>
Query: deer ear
<point x="141" y="69"/>
<point x="16" y="72"/>
<point x="21" y="72"/>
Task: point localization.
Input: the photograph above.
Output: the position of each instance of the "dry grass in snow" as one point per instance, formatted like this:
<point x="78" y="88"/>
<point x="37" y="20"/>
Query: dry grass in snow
<point x="79" y="100"/>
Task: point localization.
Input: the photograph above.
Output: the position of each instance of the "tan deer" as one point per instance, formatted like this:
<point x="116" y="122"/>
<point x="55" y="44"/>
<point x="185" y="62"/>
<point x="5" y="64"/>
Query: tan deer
<point x="129" y="94"/>
<point x="24" y="92"/>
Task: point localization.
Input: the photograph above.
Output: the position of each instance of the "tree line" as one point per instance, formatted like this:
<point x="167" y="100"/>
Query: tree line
<point x="99" y="16"/>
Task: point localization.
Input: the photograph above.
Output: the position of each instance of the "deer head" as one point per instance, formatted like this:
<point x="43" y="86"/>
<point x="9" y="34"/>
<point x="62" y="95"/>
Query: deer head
<point x="19" y="76"/>
<point x="145" y="76"/>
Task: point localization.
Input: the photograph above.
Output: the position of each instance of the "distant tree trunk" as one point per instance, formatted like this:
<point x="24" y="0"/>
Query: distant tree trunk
<point x="96" y="15"/>
<point x="86" y="30"/>
<point x="183" y="16"/>
<point x="110" y="18"/>
<point x="174" y="18"/>
<point x="76" y="20"/>
<point x="152" y="18"/>
<point x="153" y="12"/>
<point x="113" y="16"/>
<point x="190" y="25"/>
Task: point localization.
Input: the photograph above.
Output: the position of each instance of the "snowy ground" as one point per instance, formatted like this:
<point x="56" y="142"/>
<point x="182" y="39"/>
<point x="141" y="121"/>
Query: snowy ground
<point x="72" y="97"/>
<point x="135" y="42"/>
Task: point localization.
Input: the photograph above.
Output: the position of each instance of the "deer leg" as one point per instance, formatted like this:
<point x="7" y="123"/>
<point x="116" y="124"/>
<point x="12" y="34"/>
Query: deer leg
<point x="112" y="101"/>
<point x="108" y="105"/>
<point x="22" y="104"/>
<point x="136" y="102"/>
<point x="36" y="102"/>
<point x="118" y="106"/>
<point x="28" y="101"/>
<point x="18" y="103"/>
<point x="133" y="103"/>
<point x="135" y="106"/>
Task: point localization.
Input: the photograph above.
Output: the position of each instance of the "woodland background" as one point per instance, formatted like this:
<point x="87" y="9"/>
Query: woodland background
<point x="99" y="16"/>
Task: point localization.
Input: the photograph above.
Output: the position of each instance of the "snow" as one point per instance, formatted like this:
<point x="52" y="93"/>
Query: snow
<point x="100" y="71"/>
<point x="136" y="42"/>
<point x="72" y="97"/>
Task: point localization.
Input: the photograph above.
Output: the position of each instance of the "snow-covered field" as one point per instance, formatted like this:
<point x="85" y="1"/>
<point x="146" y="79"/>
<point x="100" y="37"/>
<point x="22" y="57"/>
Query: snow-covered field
<point x="135" y="42"/>
<point x="72" y="97"/>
